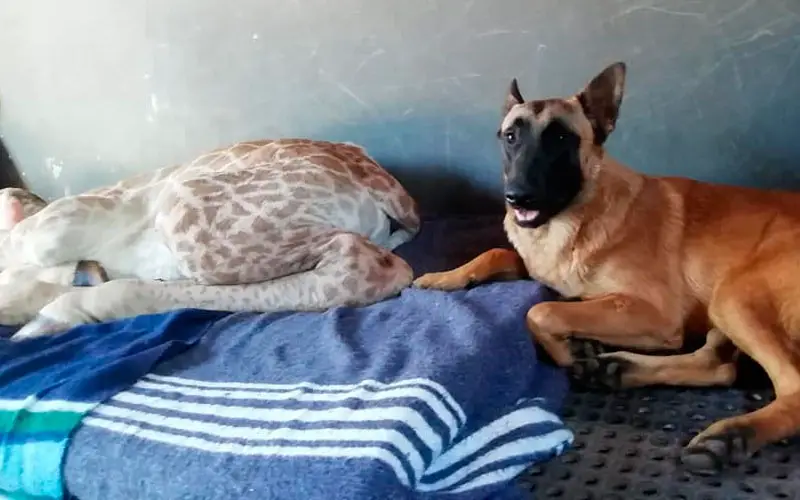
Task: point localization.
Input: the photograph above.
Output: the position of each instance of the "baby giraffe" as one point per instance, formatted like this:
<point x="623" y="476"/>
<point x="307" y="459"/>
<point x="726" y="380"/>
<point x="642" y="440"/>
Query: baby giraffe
<point x="263" y="226"/>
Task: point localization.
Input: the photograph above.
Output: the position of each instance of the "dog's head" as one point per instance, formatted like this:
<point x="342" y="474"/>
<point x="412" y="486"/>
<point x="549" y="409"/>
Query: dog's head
<point x="548" y="145"/>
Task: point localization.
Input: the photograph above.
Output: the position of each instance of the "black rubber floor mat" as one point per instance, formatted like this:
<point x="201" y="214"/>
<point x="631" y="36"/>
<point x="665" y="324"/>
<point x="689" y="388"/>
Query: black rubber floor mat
<point x="626" y="445"/>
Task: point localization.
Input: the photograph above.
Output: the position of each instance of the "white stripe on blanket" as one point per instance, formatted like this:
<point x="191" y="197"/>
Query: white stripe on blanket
<point x="360" y="392"/>
<point x="250" y="433"/>
<point x="520" y="447"/>
<point x="555" y="441"/>
<point x="33" y="405"/>
<point x="371" y="452"/>
<point x="468" y="457"/>
<point x="474" y="443"/>
<point x="369" y="383"/>
<point x="400" y="414"/>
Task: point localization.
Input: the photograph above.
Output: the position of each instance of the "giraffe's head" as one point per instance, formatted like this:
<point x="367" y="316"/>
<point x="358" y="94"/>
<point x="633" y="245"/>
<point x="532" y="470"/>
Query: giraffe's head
<point x="17" y="204"/>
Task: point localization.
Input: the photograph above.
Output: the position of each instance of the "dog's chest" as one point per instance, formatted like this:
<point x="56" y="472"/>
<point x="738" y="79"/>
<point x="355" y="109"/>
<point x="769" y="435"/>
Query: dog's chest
<point x="548" y="255"/>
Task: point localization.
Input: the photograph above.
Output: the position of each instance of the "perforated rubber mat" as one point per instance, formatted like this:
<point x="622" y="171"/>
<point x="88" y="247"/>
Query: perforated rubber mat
<point x="627" y="442"/>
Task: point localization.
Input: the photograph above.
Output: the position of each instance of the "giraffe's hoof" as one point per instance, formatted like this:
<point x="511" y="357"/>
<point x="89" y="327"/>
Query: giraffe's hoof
<point x="602" y="372"/>
<point x="710" y="455"/>
<point x="89" y="273"/>
<point x="39" y="327"/>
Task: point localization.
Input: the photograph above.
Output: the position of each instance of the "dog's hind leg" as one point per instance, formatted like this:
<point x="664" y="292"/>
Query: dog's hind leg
<point x="712" y="364"/>
<point x="745" y="310"/>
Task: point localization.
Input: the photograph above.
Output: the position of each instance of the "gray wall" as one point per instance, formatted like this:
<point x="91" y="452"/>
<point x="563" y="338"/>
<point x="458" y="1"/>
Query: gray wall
<point x="93" y="90"/>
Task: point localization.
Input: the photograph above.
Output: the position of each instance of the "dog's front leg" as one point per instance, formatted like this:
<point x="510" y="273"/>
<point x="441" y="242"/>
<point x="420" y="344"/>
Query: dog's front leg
<point x="616" y="319"/>
<point x="496" y="264"/>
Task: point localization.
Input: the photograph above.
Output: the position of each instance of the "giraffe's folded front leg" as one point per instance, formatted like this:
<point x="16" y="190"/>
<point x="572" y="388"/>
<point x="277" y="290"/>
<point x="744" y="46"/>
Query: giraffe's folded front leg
<point x="351" y="271"/>
<point x="24" y="290"/>
<point x="61" y="314"/>
<point x="49" y="302"/>
<point x="20" y="302"/>
<point x="40" y="326"/>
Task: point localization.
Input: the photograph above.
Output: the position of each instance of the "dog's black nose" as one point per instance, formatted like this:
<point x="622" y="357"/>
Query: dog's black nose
<point x="518" y="198"/>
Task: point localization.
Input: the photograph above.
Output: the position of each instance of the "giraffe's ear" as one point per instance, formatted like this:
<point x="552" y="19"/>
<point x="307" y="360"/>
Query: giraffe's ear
<point x="12" y="213"/>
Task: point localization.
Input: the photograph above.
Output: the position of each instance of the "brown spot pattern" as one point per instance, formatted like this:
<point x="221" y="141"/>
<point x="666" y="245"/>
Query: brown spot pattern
<point x="258" y="210"/>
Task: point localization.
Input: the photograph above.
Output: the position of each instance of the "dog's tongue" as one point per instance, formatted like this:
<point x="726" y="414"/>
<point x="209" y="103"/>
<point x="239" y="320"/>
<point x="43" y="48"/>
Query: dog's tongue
<point x="525" y="215"/>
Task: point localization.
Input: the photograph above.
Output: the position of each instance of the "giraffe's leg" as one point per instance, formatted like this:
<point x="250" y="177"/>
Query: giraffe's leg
<point x="25" y="290"/>
<point x="20" y="302"/>
<point x="399" y="237"/>
<point x="350" y="271"/>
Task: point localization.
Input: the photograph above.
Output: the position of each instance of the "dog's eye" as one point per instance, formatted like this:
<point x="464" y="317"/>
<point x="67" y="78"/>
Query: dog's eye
<point x="510" y="137"/>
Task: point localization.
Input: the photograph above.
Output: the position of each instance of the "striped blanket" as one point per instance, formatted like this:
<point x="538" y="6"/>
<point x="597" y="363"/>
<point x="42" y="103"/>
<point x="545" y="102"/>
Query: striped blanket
<point x="48" y="385"/>
<point x="424" y="395"/>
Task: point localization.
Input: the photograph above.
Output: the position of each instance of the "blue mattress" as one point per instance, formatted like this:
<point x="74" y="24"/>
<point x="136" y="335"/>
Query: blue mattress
<point x="427" y="395"/>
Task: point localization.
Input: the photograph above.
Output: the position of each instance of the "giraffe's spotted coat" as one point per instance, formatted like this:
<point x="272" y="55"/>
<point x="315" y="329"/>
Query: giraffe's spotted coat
<point x="265" y="225"/>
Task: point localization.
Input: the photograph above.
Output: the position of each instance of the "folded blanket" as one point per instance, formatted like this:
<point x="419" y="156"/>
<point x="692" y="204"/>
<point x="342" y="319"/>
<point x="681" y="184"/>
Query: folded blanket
<point x="426" y="395"/>
<point x="47" y="385"/>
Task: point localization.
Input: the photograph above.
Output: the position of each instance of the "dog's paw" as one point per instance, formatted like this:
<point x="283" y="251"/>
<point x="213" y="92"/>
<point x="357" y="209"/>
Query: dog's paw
<point x="447" y="280"/>
<point x="583" y="348"/>
<point x="710" y="454"/>
<point x="599" y="372"/>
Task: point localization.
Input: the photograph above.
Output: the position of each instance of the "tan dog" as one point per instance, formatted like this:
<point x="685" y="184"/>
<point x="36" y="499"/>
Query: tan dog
<point x="651" y="258"/>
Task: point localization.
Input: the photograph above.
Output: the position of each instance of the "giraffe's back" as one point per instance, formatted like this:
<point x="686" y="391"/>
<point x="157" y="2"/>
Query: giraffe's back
<point x="252" y="211"/>
<point x="247" y="213"/>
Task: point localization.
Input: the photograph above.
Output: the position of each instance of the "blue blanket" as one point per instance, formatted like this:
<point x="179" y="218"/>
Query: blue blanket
<point x="424" y="395"/>
<point x="47" y="385"/>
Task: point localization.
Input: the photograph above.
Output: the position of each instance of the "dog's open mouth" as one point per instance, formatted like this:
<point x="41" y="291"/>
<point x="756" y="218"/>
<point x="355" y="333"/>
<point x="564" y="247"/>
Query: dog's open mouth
<point x="525" y="217"/>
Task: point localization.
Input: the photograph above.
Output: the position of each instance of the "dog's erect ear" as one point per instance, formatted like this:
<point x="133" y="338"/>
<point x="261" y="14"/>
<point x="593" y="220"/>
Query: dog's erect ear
<point x="601" y="100"/>
<point x="513" y="97"/>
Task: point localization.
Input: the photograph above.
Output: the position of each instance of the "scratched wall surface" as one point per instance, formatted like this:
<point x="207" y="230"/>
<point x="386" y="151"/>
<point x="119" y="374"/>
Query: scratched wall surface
<point x="94" y="90"/>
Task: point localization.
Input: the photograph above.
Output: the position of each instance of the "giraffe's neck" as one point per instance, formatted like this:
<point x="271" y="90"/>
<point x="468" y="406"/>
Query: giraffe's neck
<point x="126" y="241"/>
<point x="6" y="260"/>
<point x="119" y="233"/>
